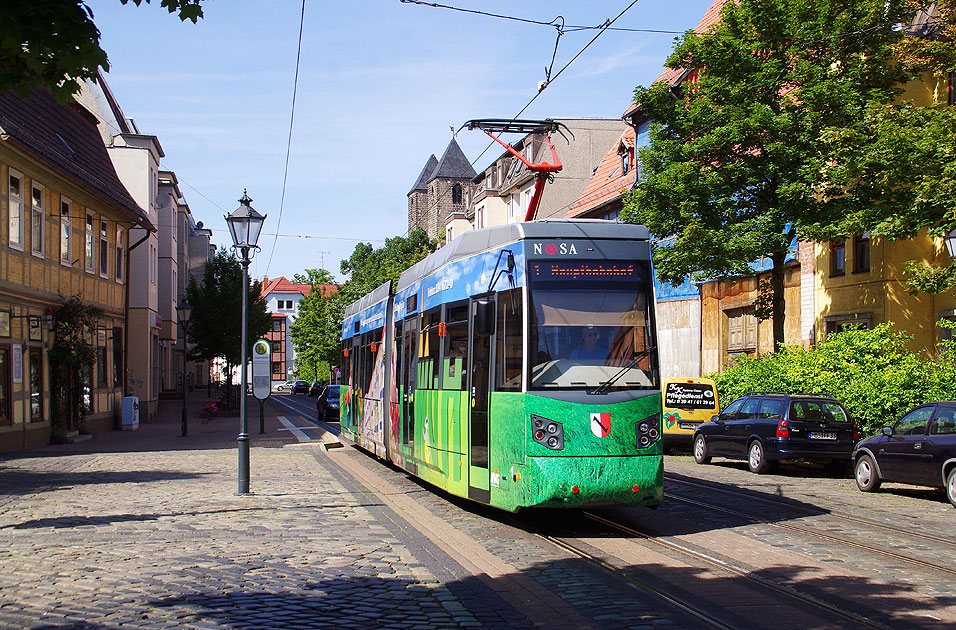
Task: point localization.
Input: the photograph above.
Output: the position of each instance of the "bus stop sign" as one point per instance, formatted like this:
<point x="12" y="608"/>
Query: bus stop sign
<point x="261" y="372"/>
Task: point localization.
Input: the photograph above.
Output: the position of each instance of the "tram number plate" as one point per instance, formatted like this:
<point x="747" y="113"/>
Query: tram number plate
<point x="823" y="435"/>
<point x="688" y="425"/>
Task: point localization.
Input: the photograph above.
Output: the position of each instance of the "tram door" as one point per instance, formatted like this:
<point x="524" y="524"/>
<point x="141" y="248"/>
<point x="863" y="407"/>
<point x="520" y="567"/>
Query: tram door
<point x="408" y="361"/>
<point x="479" y="374"/>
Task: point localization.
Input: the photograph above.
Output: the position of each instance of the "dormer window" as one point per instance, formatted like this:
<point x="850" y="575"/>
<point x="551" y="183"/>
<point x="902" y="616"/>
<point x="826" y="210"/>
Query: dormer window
<point x="625" y="154"/>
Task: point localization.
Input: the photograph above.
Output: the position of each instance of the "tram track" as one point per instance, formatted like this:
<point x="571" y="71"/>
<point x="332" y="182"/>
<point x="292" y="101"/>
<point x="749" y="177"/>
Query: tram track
<point x="790" y="505"/>
<point x="689" y="605"/>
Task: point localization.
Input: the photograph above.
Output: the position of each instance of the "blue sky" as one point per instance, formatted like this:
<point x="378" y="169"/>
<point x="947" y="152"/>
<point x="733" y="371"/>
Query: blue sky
<point x="380" y="83"/>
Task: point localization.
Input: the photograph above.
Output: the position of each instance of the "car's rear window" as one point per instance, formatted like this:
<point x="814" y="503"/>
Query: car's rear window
<point x="817" y="410"/>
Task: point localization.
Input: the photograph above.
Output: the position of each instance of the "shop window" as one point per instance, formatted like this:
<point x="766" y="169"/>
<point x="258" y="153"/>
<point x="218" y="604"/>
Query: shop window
<point x="36" y="386"/>
<point x="4" y="387"/>
<point x="117" y="356"/>
<point x="837" y="258"/>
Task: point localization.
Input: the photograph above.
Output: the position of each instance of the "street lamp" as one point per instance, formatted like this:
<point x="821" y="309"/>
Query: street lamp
<point x="184" y="309"/>
<point x="950" y="240"/>
<point x="244" y="226"/>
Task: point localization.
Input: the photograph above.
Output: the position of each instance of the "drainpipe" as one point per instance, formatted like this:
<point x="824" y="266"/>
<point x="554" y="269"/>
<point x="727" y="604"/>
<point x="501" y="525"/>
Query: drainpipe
<point x="126" y="315"/>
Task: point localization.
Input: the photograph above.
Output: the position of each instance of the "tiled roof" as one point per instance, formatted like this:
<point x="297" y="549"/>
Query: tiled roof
<point x="605" y="186"/>
<point x="283" y="285"/>
<point x="67" y="140"/>
<point x="453" y="164"/>
<point x="422" y="181"/>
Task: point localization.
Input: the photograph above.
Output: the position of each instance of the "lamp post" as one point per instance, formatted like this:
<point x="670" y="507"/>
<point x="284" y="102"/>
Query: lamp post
<point x="184" y="309"/>
<point x="244" y="226"/>
<point x="950" y="241"/>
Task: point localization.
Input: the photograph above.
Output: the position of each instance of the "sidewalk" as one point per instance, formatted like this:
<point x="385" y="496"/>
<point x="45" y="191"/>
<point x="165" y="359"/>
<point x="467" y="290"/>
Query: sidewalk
<point x="143" y="529"/>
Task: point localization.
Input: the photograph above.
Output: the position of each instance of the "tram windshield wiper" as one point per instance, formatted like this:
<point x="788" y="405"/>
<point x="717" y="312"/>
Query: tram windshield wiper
<point x="606" y="385"/>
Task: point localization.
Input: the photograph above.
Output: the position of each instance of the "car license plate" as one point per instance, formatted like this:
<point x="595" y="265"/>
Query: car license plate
<point x="688" y="425"/>
<point x="823" y="435"/>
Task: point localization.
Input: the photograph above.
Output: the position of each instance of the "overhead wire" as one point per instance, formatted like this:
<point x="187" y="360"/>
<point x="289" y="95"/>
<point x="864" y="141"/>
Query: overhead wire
<point x="288" y="150"/>
<point x="603" y="28"/>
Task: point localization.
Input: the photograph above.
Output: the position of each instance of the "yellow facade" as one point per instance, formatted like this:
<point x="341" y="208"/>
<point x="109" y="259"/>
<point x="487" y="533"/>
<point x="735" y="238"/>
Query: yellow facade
<point x="879" y="295"/>
<point x="37" y="275"/>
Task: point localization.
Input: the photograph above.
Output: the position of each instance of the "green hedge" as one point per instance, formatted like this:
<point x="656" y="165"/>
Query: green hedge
<point x="870" y="371"/>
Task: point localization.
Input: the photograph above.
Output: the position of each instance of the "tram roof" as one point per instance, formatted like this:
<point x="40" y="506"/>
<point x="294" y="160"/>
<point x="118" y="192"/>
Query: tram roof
<point x="381" y="292"/>
<point x="477" y="241"/>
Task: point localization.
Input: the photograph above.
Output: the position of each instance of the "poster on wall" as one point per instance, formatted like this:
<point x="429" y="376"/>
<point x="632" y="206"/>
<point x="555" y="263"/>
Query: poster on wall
<point x="4" y="323"/>
<point x="35" y="334"/>
<point x="17" y="361"/>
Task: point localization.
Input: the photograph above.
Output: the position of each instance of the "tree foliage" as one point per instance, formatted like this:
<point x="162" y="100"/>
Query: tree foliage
<point x="315" y="331"/>
<point x="54" y="44"/>
<point x="732" y="163"/>
<point x="368" y="267"/>
<point x="215" y="327"/>
<point x="71" y="356"/>
<point x="870" y="371"/>
<point x="895" y="174"/>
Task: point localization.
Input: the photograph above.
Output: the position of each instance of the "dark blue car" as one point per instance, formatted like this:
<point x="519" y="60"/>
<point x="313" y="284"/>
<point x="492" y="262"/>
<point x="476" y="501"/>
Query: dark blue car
<point x="918" y="449"/>
<point x="327" y="404"/>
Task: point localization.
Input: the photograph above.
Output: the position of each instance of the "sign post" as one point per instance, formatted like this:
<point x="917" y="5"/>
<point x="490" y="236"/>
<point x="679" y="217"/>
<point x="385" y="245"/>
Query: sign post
<point x="261" y="377"/>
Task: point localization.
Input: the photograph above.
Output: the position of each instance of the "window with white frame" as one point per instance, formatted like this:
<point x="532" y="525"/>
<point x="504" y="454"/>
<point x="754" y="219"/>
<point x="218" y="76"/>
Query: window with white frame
<point x="15" y="210"/>
<point x="37" y="219"/>
<point x="104" y="250"/>
<point x="66" y="229"/>
<point x="88" y="252"/>
<point x="120" y="259"/>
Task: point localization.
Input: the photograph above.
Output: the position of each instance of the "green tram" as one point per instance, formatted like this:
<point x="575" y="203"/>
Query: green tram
<point x="516" y="366"/>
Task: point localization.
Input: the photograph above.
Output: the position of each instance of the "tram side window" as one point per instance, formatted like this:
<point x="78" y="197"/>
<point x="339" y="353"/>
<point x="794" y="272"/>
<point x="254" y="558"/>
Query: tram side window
<point x="455" y="360"/>
<point x="510" y="342"/>
<point x="368" y="360"/>
<point x="428" y="372"/>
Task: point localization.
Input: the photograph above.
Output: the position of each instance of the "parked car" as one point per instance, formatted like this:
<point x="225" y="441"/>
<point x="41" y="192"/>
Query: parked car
<point x="316" y="388"/>
<point x="284" y="387"/>
<point x="300" y="387"/>
<point x="767" y="427"/>
<point x="919" y="449"/>
<point x="327" y="404"/>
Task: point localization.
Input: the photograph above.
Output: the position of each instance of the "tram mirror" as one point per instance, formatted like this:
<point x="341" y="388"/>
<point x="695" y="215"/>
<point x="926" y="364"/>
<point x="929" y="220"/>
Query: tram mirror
<point x="484" y="316"/>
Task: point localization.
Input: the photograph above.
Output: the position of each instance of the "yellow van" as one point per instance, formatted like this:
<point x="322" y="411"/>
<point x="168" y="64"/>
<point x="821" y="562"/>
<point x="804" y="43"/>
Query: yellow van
<point x="687" y="402"/>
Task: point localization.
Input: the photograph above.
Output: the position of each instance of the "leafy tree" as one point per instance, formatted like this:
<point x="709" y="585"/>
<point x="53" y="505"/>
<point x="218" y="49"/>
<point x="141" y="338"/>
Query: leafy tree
<point x="215" y="327"/>
<point x="54" y="44"/>
<point x="733" y="162"/>
<point x="895" y="174"/>
<point x="315" y="331"/>
<point x="71" y="361"/>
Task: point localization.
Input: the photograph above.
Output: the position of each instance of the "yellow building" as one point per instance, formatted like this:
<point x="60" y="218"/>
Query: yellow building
<point x="64" y="231"/>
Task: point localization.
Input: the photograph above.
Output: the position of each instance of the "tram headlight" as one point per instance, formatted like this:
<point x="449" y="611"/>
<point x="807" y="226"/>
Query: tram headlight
<point x="647" y="431"/>
<point x="548" y="433"/>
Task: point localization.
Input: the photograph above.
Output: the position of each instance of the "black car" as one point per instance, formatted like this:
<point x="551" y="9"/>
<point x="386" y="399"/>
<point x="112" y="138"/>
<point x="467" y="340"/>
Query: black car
<point x="300" y="387"/>
<point x="316" y="388"/>
<point x="767" y="427"/>
<point x="919" y="449"/>
<point x="327" y="404"/>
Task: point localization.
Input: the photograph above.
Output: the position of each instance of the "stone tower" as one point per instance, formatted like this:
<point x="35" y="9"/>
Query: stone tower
<point x="439" y="191"/>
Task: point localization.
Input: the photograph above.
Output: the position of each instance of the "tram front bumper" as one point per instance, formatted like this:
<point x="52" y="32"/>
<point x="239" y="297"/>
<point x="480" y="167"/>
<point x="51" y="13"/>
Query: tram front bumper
<point x="593" y="481"/>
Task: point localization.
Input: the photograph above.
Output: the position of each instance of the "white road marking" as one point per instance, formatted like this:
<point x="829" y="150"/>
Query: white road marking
<point x="296" y="431"/>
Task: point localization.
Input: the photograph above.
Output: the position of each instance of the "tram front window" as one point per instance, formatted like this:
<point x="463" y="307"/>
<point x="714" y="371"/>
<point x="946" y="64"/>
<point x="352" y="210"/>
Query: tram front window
<point x="591" y="324"/>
